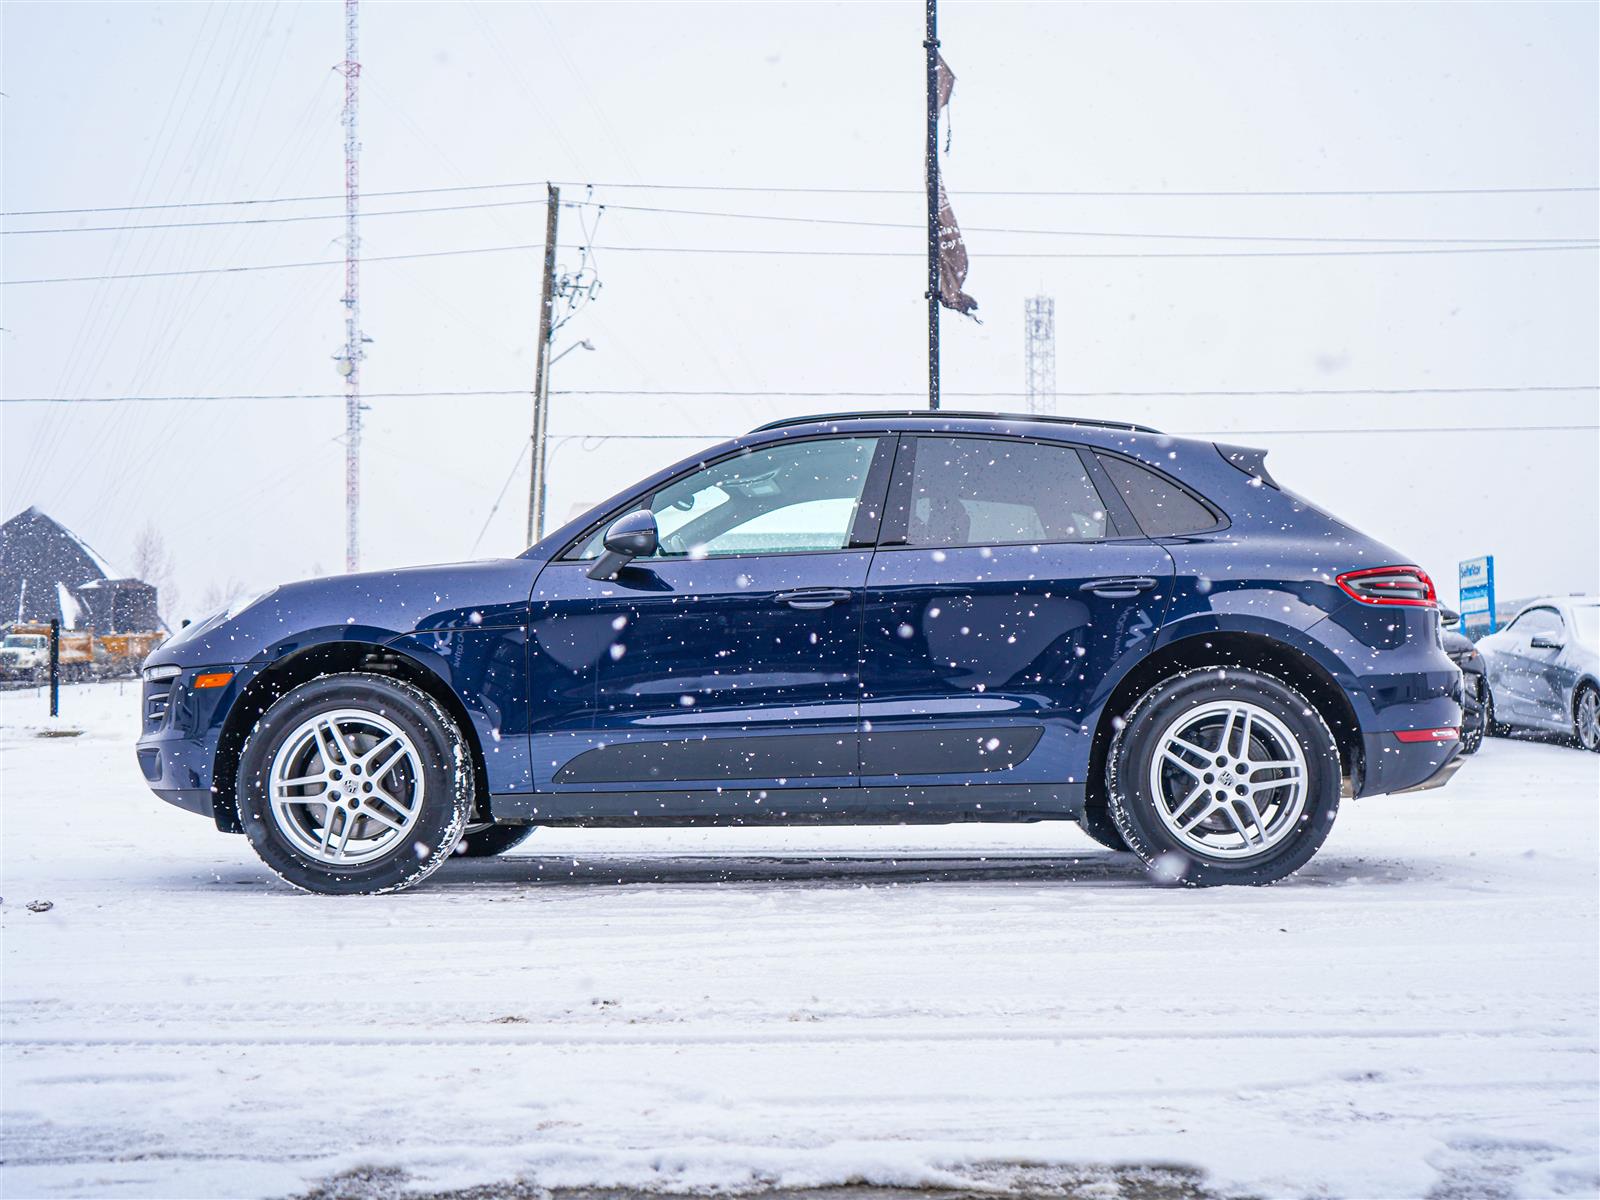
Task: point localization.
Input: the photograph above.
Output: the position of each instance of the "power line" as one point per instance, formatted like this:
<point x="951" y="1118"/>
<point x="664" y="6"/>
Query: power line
<point x="818" y="253"/>
<point x="690" y="393"/>
<point x="846" y="222"/>
<point x="809" y="191"/>
<point x="1087" y="233"/>
<point x="329" y="216"/>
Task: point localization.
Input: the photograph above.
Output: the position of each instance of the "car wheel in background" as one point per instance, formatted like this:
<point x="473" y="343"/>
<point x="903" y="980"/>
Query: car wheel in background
<point x="485" y="841"/>
<point x="1491" y="726"/>
<point x="355" y="783"/>
<point x="1475" y="722"/>
<point x="1224" y="776"/>
<point x="1097" y="822"/>
<point x="1586" y="717"/>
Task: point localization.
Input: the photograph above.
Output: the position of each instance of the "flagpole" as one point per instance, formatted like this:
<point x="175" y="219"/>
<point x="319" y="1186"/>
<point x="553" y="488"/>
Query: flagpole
<point x="931" y="44"/>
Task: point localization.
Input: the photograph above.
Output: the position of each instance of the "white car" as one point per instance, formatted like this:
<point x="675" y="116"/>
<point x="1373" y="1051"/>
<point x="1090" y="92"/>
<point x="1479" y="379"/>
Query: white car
<point x="1543" y="669"/>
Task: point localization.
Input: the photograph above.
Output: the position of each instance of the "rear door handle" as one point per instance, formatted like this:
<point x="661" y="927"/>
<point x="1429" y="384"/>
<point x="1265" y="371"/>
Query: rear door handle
<point x="1121" y="588"/>
<point x="813" y="598"/>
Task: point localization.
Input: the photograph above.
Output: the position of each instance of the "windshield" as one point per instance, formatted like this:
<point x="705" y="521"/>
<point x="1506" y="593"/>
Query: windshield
<point x="1586" y="617"/>
<point x="24" y="641"/>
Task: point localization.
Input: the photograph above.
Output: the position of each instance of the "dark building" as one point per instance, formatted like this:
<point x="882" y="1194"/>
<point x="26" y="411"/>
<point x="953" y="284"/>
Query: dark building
<point x="46" y="573"/>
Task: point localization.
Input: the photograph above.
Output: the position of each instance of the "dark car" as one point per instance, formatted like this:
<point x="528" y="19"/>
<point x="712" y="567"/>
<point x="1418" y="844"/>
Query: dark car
<point x="873" y="617"/>
<point x="1474" y="685"/>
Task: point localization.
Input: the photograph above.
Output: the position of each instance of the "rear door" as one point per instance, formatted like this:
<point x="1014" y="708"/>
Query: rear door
<point x="1004" y="591"/>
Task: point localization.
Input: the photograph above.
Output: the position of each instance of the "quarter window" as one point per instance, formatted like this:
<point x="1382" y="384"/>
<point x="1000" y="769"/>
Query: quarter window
<point x="781" y="499"/>
<point x="984" y="491"/>
<point x="1162" y="508"/>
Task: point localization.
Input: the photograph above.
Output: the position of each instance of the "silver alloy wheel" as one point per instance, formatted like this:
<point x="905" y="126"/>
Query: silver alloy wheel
<point x="345" y="787"/>
<point x="1589" y="719"/>
<point x="1229" y="779"/>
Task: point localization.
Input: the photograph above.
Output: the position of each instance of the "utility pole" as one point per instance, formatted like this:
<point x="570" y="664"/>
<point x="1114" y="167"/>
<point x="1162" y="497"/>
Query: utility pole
<point x="931" y="45"/>
<point x="354" y="352"/>
<point x="541" y="371"/>
<point x="1039" y="352"/>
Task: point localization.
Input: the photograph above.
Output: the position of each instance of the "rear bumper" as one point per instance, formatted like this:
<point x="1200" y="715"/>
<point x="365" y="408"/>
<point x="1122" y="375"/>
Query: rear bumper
<point x="1395" y="766"/>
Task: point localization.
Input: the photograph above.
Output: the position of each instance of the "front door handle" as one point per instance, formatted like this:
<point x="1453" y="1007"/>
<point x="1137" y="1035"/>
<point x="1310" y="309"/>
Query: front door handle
<point x="1123" y="587"/>
<point x="813" y="598"/>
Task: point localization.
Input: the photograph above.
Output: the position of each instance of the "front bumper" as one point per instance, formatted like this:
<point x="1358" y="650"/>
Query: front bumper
<point x="181" y="725"/>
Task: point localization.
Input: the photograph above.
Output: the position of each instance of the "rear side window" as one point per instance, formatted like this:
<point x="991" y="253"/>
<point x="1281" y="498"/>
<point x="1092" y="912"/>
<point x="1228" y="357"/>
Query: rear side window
<point x="985" y="491"/>
<point x="1162" y="508"/>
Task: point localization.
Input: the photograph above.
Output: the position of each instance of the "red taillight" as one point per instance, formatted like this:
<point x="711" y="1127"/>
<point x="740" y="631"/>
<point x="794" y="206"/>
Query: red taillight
<point x="1444" y="733"/>
<point x="1390" y="585"/>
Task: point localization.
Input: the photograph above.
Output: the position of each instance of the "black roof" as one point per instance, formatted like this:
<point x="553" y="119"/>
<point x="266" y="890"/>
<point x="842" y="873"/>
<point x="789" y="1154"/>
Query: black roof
<point x="952" y="414"/>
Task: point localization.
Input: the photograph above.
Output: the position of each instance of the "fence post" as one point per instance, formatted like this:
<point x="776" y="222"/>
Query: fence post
<point x="55" y="666"/>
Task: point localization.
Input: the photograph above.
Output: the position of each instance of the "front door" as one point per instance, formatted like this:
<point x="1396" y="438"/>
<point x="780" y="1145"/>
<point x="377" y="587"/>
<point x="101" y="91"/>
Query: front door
<point x="1530" y="684"/>
<point x="725" y="669"/>
<point x="1003" y="593"/>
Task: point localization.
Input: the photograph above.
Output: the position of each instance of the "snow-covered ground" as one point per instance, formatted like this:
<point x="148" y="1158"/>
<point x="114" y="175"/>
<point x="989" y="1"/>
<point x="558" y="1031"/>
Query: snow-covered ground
<point x="1414" y="1014"/>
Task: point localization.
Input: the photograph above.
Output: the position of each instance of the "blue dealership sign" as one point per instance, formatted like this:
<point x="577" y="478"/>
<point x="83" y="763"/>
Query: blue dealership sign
<point x="1476" y="577"/>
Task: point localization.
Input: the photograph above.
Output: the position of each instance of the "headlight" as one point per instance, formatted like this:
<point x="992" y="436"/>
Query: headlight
<point x="166" y="671"/>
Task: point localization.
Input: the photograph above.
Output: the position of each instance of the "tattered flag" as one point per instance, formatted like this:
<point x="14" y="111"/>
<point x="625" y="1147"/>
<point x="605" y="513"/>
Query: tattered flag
<point x="952" y="261"/>
<point x="944" y="85"/>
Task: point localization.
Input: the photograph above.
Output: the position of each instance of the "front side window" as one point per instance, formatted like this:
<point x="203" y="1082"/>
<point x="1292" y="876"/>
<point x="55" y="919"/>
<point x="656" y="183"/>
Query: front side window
<point x="1538" y="621"/>
<point x="984" y="491"/>
<point x="798" y="496"/>
<point x="1162" y="508"/>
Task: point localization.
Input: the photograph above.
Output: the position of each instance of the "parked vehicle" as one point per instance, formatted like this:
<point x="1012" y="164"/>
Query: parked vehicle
<point x="1543" y="669"/>
<point x="25" y="653"/>
<point x="885" y="618"/>
<point x="1473" y="687"/>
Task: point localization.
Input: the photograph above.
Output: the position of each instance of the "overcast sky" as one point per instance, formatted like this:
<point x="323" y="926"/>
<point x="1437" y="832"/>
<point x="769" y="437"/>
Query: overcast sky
<point x="119" y="104"/>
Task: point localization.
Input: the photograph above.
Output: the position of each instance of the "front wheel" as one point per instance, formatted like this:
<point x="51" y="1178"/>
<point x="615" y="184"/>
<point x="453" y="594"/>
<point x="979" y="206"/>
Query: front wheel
<point x="1224" y="776"/>
<point x="355" y="783"/>
<point x="1586" y="717"/>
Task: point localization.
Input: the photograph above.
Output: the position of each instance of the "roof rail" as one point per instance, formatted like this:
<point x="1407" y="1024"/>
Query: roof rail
<point x="945" y="412"/>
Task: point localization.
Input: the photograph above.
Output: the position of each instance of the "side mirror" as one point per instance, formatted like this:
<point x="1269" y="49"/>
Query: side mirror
<point x="1546" y="641"/>
<point x="632" y="535"/>
<point x="1449" y="617"/>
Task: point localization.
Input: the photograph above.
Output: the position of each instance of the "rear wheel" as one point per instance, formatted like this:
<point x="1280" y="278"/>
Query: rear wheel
<point x="355" y="783"/>
<point x="1224" y="776"/>
<point x="1586" y="717"/>
<point x="488" y="840"/>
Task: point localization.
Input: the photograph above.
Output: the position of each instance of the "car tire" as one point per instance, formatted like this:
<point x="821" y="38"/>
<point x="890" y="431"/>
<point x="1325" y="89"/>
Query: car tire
<point x="1586" y="717"/>
<point x="1097" y="822"/>
<point x="1472" y="728"/>
<point x="492" y="840"/>
<point x="355" y="758"/>
<point x="1224" y="776"/>
<point x="1491" y="726"/>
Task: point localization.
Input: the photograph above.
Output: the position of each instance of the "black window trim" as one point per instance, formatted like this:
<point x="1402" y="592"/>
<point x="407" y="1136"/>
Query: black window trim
<point x="1221" y="519"/>
<point x="897" y="507"/>
<point x="863" y="531"/>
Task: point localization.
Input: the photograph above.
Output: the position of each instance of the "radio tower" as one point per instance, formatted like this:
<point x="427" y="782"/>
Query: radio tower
<point x="1039" y="351"/>
<point x="350" y="360"/>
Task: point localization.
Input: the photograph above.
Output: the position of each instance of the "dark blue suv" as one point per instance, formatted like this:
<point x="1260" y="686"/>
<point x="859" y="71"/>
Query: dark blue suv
<point x="871" y="618"/>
